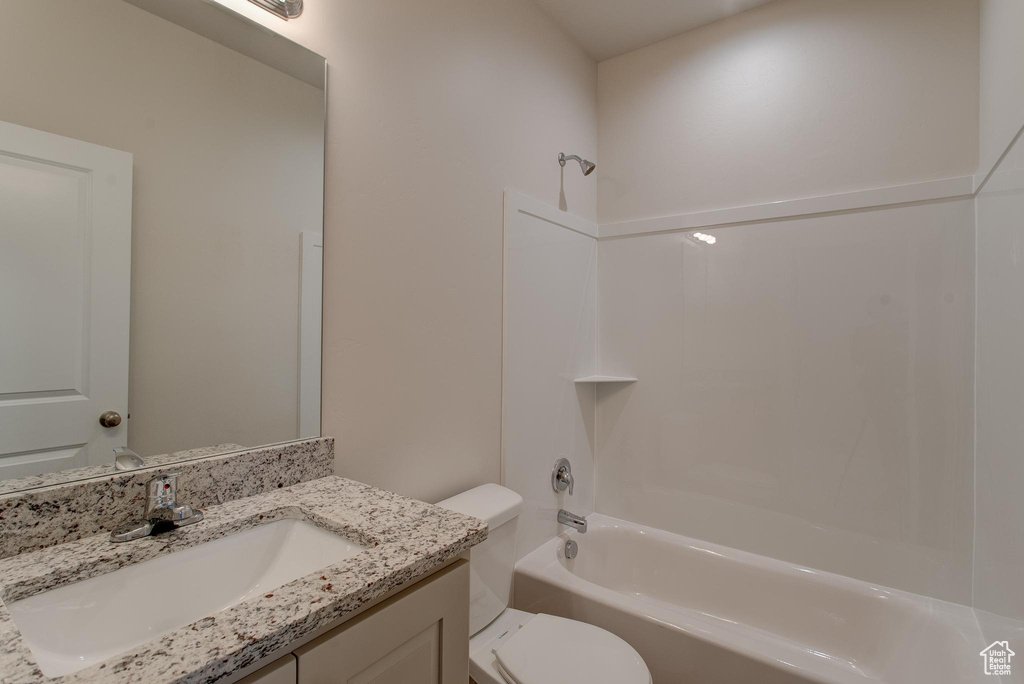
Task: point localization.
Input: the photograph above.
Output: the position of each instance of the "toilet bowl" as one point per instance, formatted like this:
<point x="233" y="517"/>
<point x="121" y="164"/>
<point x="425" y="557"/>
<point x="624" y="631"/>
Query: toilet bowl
<point x="511" y="646"/>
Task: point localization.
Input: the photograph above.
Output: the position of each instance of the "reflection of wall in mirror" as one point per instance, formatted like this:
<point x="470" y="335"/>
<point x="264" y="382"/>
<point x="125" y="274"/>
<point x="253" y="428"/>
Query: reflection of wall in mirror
<point x="228" y="170"/>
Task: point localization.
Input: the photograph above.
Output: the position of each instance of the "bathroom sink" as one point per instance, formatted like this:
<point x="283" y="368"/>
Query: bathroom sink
<point x="72" y="627"/>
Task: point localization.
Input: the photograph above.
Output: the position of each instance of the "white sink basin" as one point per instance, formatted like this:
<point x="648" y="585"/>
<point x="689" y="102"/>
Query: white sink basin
<point x="75" y="626"/>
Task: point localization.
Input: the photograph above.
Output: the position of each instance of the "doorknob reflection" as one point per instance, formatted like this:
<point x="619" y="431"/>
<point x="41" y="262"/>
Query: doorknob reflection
<point x="110" y="419"/>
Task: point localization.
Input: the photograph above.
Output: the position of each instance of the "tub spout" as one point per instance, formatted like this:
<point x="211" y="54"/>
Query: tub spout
<point x="577" y="521"/>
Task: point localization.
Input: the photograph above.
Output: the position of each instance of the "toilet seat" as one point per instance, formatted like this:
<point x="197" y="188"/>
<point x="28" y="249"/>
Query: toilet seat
<point x="554" y="650"/>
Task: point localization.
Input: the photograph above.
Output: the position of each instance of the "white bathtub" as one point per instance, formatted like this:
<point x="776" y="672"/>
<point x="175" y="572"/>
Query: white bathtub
<point x="706" y="614"/>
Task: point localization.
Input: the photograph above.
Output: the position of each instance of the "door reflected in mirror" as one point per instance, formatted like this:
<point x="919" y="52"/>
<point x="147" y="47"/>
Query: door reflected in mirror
<point x="161" y="213"/>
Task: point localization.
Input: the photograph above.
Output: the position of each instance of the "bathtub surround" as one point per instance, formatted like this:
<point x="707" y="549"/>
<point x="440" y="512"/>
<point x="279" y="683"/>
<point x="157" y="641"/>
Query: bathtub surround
<point x="406" y="539"/>
<point x="550" y="310"/>
<point x="998" y="591"/>
<point x="841" y="445"/>
<point x="805" y="383"/>
<point x="40" y="518"/>
<point x="804" y="390"/>
<point x="999" y="545"/>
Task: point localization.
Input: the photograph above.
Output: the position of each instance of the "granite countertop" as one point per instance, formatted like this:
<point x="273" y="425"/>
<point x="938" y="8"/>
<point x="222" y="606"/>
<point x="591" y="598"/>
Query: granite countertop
<point x="405" y="539"/>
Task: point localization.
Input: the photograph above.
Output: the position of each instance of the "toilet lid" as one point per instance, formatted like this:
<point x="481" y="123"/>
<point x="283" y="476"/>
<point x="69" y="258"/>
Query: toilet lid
<point x="555" y="650"/>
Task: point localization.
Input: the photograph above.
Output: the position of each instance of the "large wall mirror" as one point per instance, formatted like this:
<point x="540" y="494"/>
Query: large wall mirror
<point x="161" y="214"/>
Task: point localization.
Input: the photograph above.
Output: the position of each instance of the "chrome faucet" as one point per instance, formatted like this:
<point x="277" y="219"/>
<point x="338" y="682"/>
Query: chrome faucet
<point x="577" y="521"/>
<point x="126" y="459"/>
<point x="162" y="511"/>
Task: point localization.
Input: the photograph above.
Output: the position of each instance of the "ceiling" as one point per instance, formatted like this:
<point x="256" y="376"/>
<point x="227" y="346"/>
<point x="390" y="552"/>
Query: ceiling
<point x="608" y="28"/>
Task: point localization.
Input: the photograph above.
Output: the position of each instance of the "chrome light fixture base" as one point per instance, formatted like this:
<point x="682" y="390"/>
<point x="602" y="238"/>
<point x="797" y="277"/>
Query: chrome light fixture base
<point x="286" y="9"/>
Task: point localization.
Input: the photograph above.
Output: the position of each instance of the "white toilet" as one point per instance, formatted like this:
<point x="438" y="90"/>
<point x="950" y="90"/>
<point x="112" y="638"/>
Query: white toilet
<point x="510" y="646"/>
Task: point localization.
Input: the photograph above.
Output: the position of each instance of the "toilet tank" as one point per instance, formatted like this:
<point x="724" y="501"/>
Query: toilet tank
<point x="492" y="562"/>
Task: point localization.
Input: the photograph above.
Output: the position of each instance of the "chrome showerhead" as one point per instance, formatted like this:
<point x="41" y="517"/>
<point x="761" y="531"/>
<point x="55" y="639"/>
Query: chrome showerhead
<point x="586" y="165"/>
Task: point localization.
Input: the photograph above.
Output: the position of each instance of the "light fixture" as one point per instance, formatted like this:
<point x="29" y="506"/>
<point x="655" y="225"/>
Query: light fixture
<point x="286" y="9"/>
<point x="704" y="237"/>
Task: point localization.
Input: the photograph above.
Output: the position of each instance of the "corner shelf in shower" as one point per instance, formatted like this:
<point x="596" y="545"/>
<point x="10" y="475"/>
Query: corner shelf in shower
<point x="592" y="379"/>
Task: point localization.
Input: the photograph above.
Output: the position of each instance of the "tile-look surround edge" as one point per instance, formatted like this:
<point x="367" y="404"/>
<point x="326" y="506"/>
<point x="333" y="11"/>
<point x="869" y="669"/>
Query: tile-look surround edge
<point x="858" y="200"/>
<point x="38" y="518"/>
<point x="549" y="339"/>
<point x="888" y="196"/>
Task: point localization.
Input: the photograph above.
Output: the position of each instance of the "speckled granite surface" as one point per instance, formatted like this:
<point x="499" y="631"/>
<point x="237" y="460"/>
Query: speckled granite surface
<point x="76" y="474"/>
<point x="407" y="538"/>
<point x="39" y="518"/>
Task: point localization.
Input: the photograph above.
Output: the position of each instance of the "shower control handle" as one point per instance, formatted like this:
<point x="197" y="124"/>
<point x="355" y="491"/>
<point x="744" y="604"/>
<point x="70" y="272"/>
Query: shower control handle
<point x="561" y="476"/>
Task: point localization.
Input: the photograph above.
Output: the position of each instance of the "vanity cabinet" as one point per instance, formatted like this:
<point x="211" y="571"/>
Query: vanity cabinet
<point x="420" y="636"/>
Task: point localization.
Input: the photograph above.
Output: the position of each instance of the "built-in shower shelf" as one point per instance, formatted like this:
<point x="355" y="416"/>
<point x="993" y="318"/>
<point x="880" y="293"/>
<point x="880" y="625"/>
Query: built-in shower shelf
<point x="603" y="378"/>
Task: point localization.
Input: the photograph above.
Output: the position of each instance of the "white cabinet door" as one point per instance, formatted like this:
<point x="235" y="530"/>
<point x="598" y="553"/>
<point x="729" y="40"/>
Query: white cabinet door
<point x="420" y="636"/>
<point x="281" y="671"/>
<point x="65" y="269"/>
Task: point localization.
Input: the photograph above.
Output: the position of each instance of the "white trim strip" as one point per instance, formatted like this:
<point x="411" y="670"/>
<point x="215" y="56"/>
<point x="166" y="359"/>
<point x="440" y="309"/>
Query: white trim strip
<point x="1004" y="181"/>
<point x="979" y="180"/>
<point x="946" y="188"/>
<point x="516" y="201"/>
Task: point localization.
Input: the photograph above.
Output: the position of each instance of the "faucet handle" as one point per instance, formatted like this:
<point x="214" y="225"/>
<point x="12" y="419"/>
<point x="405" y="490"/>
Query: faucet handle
<point x="561" y="476"/>
<point x="162" y="510"/>
<point x="126" y="459"/>
<point x="163" y="490"/>
<point x="162" y="503"/>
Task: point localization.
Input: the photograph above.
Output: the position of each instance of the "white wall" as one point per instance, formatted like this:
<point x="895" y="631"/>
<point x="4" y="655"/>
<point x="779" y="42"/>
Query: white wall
<point x="434" y="108"/>
<point x="792" y="99"/>
<point x="1002" y="73"/>
<point x="215" y="256"/>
